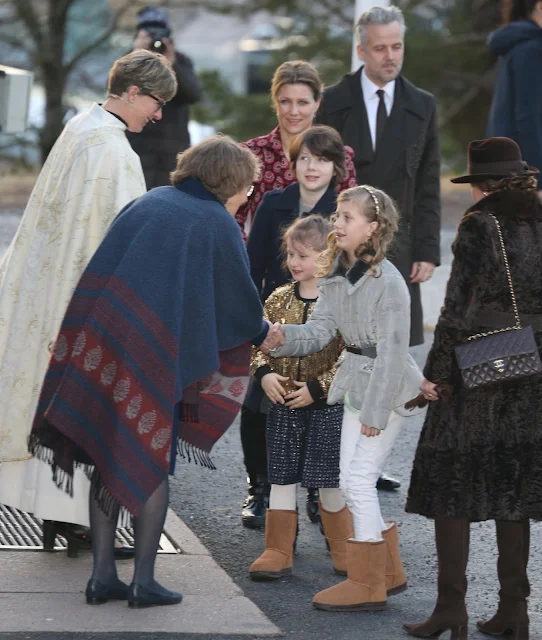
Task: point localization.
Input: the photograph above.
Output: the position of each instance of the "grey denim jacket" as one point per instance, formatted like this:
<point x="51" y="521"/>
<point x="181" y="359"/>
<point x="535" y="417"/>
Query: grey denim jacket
<point x="368" y="311"/>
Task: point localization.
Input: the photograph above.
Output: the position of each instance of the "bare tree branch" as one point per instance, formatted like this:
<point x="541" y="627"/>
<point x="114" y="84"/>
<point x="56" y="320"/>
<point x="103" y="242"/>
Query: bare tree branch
<point x="468" y="38"/>
<point x="344" y="16"/>
<point x="458" y="106"/>
<point x="26" y="12"/>
<point x="9" y="20"/>
<point x="13" y="42"/>
<point x="464" y="101"/>
<point x="470" y="79"/>
<point x="104" y="37"/>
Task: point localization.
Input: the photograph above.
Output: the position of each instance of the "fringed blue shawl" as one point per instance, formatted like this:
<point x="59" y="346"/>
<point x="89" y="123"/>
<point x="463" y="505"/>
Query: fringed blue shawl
<point x="154" y="345"/>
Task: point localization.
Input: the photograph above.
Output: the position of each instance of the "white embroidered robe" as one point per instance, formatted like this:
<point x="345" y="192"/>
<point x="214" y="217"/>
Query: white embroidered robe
<point x="90" y="175"/>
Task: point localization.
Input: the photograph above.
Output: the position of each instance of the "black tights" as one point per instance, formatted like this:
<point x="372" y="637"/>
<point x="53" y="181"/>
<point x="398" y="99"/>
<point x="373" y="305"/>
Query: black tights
<point x="148" y="528"/>
<point x="253" y="441"/>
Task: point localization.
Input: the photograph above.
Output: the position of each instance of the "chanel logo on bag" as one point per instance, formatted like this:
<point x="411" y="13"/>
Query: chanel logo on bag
<point x="500" y="365"/>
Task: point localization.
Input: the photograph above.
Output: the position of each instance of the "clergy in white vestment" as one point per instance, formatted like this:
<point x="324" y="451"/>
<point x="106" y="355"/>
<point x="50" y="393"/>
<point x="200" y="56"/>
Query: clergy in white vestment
<point x="90" y="175"/>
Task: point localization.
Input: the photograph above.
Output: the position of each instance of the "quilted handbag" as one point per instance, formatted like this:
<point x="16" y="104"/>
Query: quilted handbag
<point x="503" y="354"/>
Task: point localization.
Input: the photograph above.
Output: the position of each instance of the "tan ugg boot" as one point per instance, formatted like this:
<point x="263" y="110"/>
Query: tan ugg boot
<point x="276" y="561"/>
<point x="338" y="529"/>
<point x="365" y="589"/>
<point x="396" y="581"/>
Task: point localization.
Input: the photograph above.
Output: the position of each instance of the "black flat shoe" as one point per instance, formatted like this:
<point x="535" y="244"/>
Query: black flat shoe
<point x="99" y="593"/>
<point x="140" y="597"/>
<point x="313" y="506"/>
<point x="385" y="483"/>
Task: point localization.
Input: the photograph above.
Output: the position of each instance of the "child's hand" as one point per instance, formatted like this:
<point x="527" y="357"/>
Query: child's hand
<point x="300" y="398"/>
<point x="370" y="432"/>
<point x="275" y="338"/>
<point x="272" y="387"/>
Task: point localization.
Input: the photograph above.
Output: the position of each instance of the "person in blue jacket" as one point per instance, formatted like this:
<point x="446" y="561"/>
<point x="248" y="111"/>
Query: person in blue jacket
<point x="516" y="111"/>
<point x="318" y="160"/>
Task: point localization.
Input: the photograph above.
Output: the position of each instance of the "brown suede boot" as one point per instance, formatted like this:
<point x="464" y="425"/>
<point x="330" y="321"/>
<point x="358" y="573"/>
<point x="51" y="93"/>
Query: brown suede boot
<point x="396" y="581"/>
<point x="511" y="619"/>
<point x="452" y="538"/>
<point x="365" y="589"/>
<point x="338" y="529"/>
<point x="276" y="561"/>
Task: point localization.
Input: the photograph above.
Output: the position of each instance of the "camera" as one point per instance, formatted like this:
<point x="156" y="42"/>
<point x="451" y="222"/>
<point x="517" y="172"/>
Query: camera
<point x="157" y="35"/>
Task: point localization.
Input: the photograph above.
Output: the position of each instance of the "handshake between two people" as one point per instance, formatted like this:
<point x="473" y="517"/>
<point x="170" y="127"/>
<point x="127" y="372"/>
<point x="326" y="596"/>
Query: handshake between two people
<point x="272" y="382"/>
<point x="275" y="338"/>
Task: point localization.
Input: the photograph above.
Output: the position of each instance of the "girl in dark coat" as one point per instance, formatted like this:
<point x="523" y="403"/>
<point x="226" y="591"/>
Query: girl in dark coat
<point x="480" y="451"/>
<point x="318" y="162"/>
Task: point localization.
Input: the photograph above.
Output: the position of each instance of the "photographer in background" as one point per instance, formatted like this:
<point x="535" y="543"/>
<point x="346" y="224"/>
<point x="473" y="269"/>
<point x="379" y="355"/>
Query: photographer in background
<point x="161" y="141"/>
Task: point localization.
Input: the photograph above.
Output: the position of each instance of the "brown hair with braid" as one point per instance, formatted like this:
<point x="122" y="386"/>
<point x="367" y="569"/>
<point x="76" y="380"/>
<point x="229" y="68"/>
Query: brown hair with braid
<point x="376" y="206"/>
<point x="509" y="183"/>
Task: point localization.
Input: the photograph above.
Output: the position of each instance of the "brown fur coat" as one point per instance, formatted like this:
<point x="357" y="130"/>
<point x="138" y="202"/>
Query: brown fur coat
<point x="480" y="453"/>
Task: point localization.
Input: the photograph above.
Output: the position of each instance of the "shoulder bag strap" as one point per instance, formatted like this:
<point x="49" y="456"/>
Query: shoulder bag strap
<point x="510" y="286"/>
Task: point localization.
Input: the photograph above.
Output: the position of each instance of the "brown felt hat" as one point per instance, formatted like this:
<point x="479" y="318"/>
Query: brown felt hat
<point x="493" y="159"/>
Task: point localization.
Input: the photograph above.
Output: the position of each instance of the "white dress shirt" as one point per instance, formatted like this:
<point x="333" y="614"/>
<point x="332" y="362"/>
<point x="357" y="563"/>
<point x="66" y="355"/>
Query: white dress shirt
<point x="370" y="97"/>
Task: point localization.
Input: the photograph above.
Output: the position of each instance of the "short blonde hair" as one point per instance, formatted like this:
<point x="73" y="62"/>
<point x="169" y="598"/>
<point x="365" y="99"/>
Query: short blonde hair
<point x="150" y="72"/>
<point x="296" y="72"/>
<point x="310" y="231"/>
<point x="375" y="249"/>
<point x="223" y="166"/>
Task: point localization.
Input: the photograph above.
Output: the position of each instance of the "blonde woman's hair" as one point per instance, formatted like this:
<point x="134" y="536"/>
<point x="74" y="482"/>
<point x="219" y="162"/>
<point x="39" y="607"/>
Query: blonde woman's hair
<point x="311" y="231"/>
<point x="296" y="72"/>
<point x="224" y="166"/>
<point x="514" y="181"/>
<point x="376" y="206"/>
<point x="151" y="72"/>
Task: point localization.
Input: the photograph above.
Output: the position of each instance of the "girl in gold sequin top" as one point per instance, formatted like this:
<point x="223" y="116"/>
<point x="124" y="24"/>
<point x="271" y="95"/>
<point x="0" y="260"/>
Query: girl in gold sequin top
<point x="303" y="431"/>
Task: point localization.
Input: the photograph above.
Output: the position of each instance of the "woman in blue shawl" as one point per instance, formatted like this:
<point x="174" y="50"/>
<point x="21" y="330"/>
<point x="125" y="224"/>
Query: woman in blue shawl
<point x="152" y="355"/>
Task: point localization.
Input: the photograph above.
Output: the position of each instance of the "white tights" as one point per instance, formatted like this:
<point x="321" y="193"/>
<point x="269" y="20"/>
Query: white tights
<point x="283" y="497"/>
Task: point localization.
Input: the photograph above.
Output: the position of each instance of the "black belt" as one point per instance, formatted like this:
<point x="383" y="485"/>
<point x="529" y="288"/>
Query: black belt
<point x="502" y="319"/>
<point x="368" y="352"/>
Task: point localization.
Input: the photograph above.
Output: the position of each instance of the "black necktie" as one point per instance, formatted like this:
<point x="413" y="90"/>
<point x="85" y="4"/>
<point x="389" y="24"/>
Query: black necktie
<point x="381" y="117"/>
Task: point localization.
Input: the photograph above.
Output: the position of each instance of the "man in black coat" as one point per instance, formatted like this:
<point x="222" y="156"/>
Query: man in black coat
<point x="158" y="147"/>
<point x="392" y="127"/>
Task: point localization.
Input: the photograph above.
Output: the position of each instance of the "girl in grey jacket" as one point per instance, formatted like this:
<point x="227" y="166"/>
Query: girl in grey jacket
<point x="364" y="297"/>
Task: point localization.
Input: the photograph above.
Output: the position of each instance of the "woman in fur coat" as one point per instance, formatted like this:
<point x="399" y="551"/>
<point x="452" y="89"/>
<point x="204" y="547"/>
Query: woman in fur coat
<point x="480" y="451"/>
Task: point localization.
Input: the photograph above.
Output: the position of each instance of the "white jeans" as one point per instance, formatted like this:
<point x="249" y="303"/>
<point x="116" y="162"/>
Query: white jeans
<point x="362" y="461"/>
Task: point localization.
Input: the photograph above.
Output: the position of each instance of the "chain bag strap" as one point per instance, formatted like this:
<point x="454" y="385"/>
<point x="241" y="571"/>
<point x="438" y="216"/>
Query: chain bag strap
<point x="503" y="354"/>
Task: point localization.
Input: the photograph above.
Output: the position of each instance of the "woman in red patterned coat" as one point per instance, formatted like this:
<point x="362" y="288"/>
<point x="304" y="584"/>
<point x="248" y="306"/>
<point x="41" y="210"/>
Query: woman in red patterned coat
<point x="296" y="92"/>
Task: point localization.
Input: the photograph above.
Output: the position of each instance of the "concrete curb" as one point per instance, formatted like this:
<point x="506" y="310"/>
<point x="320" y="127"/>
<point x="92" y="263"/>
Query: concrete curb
<point x="44" y="593"/>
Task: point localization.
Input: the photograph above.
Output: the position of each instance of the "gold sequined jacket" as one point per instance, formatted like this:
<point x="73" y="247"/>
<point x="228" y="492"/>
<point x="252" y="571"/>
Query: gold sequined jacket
<point x="286" y="306"/>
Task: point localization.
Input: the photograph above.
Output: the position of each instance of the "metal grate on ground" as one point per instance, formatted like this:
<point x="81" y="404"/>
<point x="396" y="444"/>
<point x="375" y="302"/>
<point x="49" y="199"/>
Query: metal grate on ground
<point x="20" y="531"/>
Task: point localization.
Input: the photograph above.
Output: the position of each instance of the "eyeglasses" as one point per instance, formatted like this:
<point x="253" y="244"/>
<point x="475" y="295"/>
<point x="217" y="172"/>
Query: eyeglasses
<point x="250" y="191"/>
<point x="161" y="103"/>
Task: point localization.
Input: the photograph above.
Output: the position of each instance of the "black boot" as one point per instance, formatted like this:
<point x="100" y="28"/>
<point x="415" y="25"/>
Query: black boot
<point x="256" y="503"/>
<point x="513" y="540"/>
<point x="78" y="538"/>
<point x="313" y="505"/>
<point x="450" y="613"/>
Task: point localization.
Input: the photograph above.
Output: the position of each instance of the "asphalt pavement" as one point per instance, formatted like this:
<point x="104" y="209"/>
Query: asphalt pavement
<point x="209" y="503"/>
